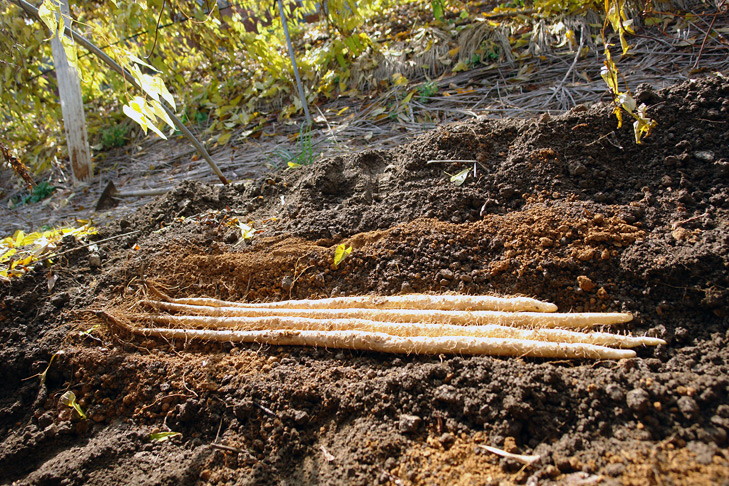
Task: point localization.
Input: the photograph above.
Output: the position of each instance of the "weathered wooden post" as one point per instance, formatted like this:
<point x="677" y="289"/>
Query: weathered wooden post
<point x="74" y="120"/>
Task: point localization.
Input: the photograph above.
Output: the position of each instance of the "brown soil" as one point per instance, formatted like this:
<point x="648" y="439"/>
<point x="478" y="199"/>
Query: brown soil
<point x="566" y="209"/>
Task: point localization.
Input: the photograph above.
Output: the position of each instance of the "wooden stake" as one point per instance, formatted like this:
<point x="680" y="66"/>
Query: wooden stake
<point x="72" y="106"/>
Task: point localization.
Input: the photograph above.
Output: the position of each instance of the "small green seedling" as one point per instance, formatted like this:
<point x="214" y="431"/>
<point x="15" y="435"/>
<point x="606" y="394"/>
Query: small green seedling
<point x="88" y="332"/>
<point x="305" y="156"/>
<point x="427" y="90"/>
<point x="163" y="436"/>
<point x="341" y="253"/>
<point x="69" y="399"/>
<point x="45" y="372"/>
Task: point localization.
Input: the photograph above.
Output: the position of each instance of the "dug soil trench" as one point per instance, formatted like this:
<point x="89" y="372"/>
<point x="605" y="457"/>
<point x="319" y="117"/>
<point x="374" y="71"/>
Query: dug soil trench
<point x="565" y="209"/>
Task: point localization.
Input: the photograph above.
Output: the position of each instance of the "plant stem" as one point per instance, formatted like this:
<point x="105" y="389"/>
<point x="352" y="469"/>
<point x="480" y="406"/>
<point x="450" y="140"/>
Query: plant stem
<point x="292" y="55"/>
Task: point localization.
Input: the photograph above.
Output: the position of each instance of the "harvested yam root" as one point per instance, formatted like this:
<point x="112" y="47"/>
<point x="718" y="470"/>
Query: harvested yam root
<point x="417" y="324"/>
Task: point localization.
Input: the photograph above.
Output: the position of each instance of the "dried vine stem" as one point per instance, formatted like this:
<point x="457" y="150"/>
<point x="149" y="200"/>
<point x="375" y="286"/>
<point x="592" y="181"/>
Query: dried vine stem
<point x="385" y="343"/>
<point x="501" y="318"/>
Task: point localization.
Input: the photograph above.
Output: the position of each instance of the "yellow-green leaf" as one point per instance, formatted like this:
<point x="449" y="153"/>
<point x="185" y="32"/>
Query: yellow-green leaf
<point x="47" y="12"/>
<point x="69" y="399"/>
<point x="224" y="138"/>
<point x="461" y="177"/>
<point x="460" y="66"/>
<point x="399" y="80"/>
<point x="341" y="253"/>
<point x="162" y="436"/>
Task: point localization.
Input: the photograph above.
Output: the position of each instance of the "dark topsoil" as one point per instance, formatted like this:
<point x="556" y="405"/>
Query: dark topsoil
<point x="644" y="227"/>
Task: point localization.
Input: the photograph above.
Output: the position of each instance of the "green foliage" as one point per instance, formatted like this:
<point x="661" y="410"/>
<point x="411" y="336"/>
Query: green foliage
<point x="114" y="136"/>
<point x="438" y="10"/>
<point x="305" y="155"/>
<point x="163" y="436"/>
<point x="231" y="67"/>
<point x="226" y="69"/>
<point x="427" y="90"/>
<point x="39" y="193"/>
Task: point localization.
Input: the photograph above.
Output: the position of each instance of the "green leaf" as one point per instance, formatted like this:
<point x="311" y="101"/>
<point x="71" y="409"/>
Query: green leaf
<point x="341" y="253"/>
<point x="163" y="436"/>
<point x="437" y="9"/>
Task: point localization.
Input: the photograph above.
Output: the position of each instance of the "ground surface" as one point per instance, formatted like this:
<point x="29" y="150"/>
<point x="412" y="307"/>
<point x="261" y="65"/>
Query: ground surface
<point x="566" y="209"/>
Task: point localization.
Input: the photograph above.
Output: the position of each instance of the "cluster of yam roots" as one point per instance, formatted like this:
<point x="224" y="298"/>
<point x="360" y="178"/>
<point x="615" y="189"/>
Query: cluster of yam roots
<point x="408" y="324"/>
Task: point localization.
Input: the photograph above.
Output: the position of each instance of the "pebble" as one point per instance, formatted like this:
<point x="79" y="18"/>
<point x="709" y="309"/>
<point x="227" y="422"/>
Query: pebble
<point x="447" y="439"/>
<point x="94" y="260"/>
<point x="409" y="423"/>
<point x="705" y="155"/>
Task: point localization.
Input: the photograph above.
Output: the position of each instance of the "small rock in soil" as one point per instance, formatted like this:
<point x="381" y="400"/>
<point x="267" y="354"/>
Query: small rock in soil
<point x="638" y="400"/>
<point x="409" y="423"/>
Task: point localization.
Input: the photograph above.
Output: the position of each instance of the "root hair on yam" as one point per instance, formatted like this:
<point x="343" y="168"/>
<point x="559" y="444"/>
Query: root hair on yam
<point x="410" y="324"/>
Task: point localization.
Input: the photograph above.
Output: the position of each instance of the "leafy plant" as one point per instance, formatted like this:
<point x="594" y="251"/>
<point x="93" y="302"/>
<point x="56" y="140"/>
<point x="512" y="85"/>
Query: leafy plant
<point x="115" y="136"/>
<point x="623" y="100"/>
<point x="427" y="90"/>
<point x="305" y="154"/>
<point x="19" y="251"/>
<point x="41" y="191"/>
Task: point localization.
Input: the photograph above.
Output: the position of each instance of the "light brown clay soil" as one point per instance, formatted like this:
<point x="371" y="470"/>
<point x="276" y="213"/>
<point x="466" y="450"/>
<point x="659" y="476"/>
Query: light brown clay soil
<point x="565" y="209"/>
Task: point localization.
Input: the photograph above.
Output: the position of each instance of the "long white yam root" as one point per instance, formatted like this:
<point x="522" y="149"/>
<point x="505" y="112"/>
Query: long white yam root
<point x="386" y="343"/>
<point x="410" y="301"/>
<point x="501" y="318"/>
<point x="410" y="324"/>
<point x="401" y="329"/>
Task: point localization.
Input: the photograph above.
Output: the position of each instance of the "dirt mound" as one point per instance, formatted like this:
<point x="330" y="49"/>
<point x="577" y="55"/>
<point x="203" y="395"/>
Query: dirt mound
<point x="566" y="209"/>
